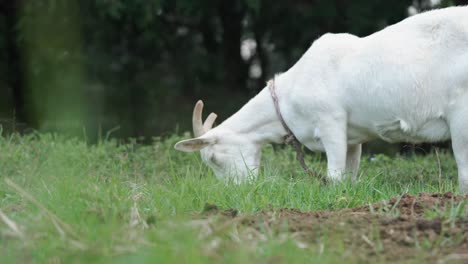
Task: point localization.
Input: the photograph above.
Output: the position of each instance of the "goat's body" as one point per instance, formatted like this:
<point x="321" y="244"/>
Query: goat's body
<point x="399" y="84"/>
<point x="407" y="82"/>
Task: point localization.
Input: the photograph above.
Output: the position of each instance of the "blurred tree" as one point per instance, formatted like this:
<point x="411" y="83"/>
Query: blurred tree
<point x="141" y="64"/>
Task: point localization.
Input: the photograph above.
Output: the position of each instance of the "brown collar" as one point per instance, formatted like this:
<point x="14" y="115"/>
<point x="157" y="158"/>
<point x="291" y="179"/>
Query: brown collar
<point x="290" y="137"/>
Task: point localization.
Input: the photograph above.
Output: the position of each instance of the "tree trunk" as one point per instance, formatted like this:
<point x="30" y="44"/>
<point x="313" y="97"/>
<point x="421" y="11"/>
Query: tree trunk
<point x="259" y="32"/>
<point x="14" y="65"/>
<point x="235" y="72"/>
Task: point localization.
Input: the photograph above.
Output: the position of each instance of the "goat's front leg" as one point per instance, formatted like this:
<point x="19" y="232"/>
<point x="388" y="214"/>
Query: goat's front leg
<point x="333" y="137"/>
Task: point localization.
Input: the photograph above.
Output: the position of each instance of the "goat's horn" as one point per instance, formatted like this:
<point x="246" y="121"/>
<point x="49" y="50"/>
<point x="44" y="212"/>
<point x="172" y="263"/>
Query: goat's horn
<point x="197" y="119"/>
<point x="209" y="122"/>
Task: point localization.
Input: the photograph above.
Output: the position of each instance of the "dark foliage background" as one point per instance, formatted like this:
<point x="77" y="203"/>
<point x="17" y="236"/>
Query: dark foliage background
<point x="137" y="67"/>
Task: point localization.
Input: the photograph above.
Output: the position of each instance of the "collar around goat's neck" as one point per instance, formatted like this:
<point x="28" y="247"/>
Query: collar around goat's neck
<point x="290" y="137"/>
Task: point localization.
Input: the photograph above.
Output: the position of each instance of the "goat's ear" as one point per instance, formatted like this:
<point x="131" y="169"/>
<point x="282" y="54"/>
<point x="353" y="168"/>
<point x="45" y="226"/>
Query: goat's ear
<point x="194" y="144"/>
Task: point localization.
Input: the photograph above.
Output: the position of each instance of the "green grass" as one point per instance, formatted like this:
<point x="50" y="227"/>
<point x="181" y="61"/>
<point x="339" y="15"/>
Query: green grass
<point x="128" y="203"/>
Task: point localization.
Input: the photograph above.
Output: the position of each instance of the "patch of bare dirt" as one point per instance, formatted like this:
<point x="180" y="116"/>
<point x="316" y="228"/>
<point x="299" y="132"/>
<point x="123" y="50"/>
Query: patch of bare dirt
<point x="405" y="228"/>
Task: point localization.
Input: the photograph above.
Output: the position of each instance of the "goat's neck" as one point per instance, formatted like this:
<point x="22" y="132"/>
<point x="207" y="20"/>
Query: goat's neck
<point x="257" y="120"/>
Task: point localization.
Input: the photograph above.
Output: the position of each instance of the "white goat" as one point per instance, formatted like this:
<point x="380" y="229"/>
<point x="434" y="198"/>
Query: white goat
<point x="407" y="82"/>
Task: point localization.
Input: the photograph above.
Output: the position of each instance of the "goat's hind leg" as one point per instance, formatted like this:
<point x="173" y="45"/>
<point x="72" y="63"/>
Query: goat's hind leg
<point x="353" y="158"/>
<point x="459" y="134"/>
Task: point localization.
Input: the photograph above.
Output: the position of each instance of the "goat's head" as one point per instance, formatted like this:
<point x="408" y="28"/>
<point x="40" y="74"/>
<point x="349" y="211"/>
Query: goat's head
<point x="230" y="155"/>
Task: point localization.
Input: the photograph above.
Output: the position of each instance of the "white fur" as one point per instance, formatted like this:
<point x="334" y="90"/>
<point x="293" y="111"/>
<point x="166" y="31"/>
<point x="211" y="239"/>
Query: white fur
<point x="407" y="82"/>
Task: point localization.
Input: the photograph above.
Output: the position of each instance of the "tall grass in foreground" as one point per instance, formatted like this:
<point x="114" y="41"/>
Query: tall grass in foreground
<point x="111" y="202"/>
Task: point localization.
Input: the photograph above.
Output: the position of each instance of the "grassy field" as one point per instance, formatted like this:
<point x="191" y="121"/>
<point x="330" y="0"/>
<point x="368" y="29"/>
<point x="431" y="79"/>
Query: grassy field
<point x="64" y="201"/>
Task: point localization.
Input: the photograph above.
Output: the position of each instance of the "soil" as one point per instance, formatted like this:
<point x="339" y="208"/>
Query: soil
<point x="407" y="228"/>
